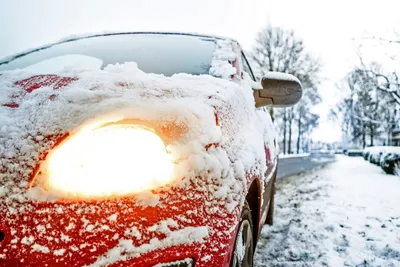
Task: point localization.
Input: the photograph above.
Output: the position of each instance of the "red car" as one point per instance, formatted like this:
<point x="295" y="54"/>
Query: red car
<point x="136" y="149"/>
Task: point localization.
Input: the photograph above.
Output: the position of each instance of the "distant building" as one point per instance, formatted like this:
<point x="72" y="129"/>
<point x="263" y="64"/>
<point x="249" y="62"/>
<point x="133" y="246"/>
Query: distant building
<point x="395" y="137"/>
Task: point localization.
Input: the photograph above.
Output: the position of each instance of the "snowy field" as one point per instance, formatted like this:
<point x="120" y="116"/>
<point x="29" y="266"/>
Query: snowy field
<point x="347" y="214"/>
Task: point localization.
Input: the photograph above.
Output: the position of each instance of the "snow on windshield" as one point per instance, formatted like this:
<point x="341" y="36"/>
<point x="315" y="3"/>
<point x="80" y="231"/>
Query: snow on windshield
<point x="165" y="54"/>
<point x="63" y="63"/>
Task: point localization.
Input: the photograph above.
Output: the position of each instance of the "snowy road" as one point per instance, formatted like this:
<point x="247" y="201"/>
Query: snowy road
<point x="347" y="214"/>
<point x="293" y="165"/>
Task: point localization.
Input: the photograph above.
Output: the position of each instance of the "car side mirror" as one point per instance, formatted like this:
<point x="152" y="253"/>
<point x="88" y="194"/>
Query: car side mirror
<point x="278" y="89"/>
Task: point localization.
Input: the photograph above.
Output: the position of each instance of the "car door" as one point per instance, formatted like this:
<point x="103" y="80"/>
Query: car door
<point x="270" y="147"/>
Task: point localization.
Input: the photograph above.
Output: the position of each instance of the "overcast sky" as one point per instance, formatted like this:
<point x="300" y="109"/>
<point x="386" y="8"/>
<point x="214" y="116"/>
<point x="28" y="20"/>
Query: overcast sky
<point x="327" y="27"/>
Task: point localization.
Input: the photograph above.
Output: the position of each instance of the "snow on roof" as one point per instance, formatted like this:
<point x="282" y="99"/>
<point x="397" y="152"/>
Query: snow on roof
<point x="395" y="131"/>
<point x="382" y="149"/>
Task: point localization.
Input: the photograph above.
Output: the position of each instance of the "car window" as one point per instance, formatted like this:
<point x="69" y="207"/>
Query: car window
<point x="159" y="53"/>
<point x="246" y="67"/>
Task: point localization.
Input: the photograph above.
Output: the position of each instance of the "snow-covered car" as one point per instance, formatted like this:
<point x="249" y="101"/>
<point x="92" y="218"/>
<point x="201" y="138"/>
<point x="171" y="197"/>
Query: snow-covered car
<point x="136" y="149"/>
<point x="387" y="157"/>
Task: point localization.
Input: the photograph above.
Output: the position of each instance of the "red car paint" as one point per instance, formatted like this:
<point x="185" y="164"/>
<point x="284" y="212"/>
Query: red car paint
<point x="103" y="240"/>
<point x="38" y="81"/>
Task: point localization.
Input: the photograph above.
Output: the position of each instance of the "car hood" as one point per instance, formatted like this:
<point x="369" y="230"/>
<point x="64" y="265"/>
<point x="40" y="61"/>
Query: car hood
<point x="210" y="126"/>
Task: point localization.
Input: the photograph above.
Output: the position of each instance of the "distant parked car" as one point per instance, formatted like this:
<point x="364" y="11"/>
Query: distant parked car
<point x="387" y="157"/>
<point x="365" y="154"/>
<point x="354" y="152"/>
<point x="390" y="163"/>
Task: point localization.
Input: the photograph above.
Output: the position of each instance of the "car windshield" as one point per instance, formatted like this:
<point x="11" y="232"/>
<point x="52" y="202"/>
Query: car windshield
<point x="158" y="53"/>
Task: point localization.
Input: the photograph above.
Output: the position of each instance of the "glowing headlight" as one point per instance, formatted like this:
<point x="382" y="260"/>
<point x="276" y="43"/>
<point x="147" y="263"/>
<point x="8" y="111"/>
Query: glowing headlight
<point x="108" y="161"/>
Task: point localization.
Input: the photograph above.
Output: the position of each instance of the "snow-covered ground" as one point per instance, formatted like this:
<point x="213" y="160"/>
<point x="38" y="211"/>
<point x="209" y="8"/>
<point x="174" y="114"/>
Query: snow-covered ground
<point x="285" y="156"/>
<point x="347" y="214"/>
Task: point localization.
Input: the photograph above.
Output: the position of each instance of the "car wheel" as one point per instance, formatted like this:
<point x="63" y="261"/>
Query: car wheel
<point x="270" y="216"/>
<point x="243" y="251"/>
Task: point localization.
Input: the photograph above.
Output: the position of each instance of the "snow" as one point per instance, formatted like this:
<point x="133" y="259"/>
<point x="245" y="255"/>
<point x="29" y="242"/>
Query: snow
<point x="57" y="64"/>
<point x="383" y="149"/>
<point x="241" y="247"/>
<point x="222" y="60"/>
<point x="59" y="252"/>
<point x="113" y="217"/>
<point x="40" y="248"/>
<point x="285" y="156"/>
<point x="220" y="138"/>
<point x="388" y="157"/>
<point x="281" y="76"/>
<point x="321" y="160"/>
<point x="28" y="240"/>
<point x="65" y="115"/>
<point x="2" y="191"/>
<point x="347" y="214"/>
<point x="134" y="232"/>
<point x="125" y="248"/>
<point x="354" y="150"/>
<point x="73" y="37"/>
<point x="186" y="53"/>
<point x="185" y="262"/>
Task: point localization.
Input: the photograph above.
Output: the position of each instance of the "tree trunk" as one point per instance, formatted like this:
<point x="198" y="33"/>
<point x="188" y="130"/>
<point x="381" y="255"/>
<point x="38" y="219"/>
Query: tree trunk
<point x="284" y="131"/>
<point x="290" y="131"/>
<point x="364" y="136"/>
<point x="371" y="135"/>
<point x="299" y="133"/>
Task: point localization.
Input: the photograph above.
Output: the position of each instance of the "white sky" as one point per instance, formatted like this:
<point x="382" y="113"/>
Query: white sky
<point x="327" y="27"/>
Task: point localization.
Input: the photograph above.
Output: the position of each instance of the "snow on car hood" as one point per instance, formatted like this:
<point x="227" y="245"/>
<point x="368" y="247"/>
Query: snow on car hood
<point x="216" y="112"/>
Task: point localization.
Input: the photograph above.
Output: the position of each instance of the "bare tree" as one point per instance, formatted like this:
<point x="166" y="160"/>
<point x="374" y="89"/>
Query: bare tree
<point x="290" y="130"/>
<point x="366" y="110"/>
<point x="281" y="50"/>
<point x="284" y="130"/>
<point x="386" y="81"/>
